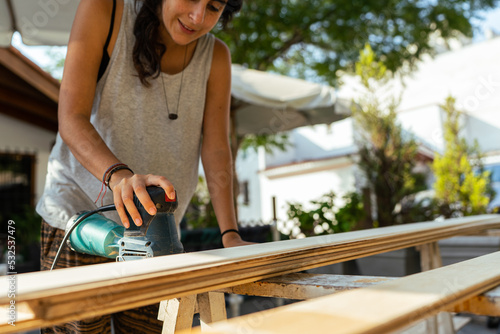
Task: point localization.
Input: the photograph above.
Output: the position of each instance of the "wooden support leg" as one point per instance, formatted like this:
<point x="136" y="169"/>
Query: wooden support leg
<point x="212" y="307"/>
<point x="430" y="258"/>
<point x="177" y="314"/>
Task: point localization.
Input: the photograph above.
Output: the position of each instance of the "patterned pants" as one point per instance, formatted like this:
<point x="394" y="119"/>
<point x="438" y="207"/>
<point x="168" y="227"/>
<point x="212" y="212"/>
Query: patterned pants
<point x="136" y="321"/>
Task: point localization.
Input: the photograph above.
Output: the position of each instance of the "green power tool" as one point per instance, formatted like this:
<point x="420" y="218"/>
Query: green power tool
<point x="92" y="233"/>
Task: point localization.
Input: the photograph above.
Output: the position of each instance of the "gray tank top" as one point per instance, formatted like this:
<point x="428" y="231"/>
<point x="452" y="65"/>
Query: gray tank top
<point x="133" y="121"/>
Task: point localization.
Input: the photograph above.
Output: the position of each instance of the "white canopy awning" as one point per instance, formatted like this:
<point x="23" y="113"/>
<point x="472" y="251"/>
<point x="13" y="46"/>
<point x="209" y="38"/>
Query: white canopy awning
<point x="270" y="103"/>
<point x="46" y="22"/>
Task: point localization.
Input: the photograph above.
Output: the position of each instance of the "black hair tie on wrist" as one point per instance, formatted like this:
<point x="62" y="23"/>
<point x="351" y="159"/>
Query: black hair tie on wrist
<point x="230" y="230"/>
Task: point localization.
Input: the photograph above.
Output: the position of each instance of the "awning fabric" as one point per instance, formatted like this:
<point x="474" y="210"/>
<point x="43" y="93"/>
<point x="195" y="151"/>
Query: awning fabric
<point x="270" y="103"/>
<point x="40" y="22"/>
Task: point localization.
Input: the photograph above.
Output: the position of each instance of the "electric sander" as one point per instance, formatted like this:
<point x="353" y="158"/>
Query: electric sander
<point x="92" y="233"/>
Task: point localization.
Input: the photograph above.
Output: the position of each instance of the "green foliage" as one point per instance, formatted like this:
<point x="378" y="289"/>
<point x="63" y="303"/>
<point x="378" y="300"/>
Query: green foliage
<point x="325" y="218"/>
<point x="351" y="213"/>
<point x="462" y="186"/>
<point x="27" y="231"/>
<point x="418" y="207"/>
<point x="269" y="142"/>
<point x="200" y="212"/>
<point x="369" y="69"/>
<point x="27" y="225"/>
<point x="317" y="38"/>
<point x="387" y="155"/>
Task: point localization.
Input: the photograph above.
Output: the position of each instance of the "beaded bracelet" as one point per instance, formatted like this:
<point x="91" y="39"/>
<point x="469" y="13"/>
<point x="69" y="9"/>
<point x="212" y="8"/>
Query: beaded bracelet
<point x="107" y="176"/>
<point x="104" y="177"/>
<point x="113" y="170"/>
<point x="230" y="230"/>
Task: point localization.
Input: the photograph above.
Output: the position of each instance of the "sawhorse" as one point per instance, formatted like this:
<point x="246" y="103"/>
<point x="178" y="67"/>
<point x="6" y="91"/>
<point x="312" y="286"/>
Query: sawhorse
<point x="177" y="314"/>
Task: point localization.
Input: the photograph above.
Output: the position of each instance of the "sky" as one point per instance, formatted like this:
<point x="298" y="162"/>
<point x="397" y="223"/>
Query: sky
<point x="491" y="21"/>
<point x="38" y="54"/>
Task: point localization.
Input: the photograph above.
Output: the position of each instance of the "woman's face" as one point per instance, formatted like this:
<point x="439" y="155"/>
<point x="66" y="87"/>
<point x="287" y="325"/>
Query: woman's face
<point x="188" y="20"/>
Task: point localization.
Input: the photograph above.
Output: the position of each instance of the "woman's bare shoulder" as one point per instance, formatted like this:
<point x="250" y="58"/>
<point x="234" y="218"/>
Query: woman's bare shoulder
<point x="221" y="56"/>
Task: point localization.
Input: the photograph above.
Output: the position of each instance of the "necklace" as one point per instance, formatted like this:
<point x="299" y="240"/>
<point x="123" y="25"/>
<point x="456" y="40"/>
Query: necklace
<point x="176" y="115"/>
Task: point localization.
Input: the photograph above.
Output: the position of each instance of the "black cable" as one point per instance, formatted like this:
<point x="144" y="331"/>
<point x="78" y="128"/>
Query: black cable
<point x="75" y="224"/>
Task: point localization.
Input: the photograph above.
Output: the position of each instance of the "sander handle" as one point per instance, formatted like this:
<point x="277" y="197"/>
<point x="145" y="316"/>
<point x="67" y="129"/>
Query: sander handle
<point x="159" y="198"/>
<point x="162" y="203"/>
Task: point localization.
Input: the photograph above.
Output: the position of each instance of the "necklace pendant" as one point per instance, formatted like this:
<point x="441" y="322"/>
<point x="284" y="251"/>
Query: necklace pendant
<point x="172" y="116"/>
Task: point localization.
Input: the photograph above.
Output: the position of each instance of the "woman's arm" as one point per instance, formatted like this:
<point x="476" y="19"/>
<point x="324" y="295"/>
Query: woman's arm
<point x="215" y="152"/>
<point x="88" y="36"/>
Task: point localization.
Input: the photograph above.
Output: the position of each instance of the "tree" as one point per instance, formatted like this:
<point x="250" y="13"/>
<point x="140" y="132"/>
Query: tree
<point x="387" y="155"/>
<point x="320" y="37"/>
<point x="462" y="187"/>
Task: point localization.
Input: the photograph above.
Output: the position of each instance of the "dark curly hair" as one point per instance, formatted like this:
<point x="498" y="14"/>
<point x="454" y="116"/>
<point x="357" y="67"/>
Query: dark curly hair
<point x="148" y="48"/>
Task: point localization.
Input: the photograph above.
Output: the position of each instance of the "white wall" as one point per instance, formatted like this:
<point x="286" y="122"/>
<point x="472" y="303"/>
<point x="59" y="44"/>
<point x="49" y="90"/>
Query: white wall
<point x="426" y="123"/>
<point x="314" y="142"/>
<point x="321" y="141"/>
<point x="18" y="136"/>
<point x="247" y="168"/>
<point x="302" y="186"/>
<point x="485" y="129"/>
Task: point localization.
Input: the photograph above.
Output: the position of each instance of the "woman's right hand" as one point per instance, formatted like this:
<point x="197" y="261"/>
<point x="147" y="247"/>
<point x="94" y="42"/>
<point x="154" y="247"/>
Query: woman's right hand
<point x="124" y="184"/>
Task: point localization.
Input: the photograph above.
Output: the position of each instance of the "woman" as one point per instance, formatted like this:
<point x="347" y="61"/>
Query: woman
<point x="145" y="92"/>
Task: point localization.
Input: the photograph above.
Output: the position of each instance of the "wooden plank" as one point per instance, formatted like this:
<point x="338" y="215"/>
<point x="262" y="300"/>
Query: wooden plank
<point x="493" y="233"/>
<point x="421" y="327"/>
<point x="78" y="293"/>
<point x="490" y="233"/>
<point x="381" y="308"/>
<point x="304" y="286"/>
<point x="226" y="280"/>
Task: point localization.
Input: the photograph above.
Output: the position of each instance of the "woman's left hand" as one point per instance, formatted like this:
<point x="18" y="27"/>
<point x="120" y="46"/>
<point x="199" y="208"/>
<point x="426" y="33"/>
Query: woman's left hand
<point x="234" y="240"/>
